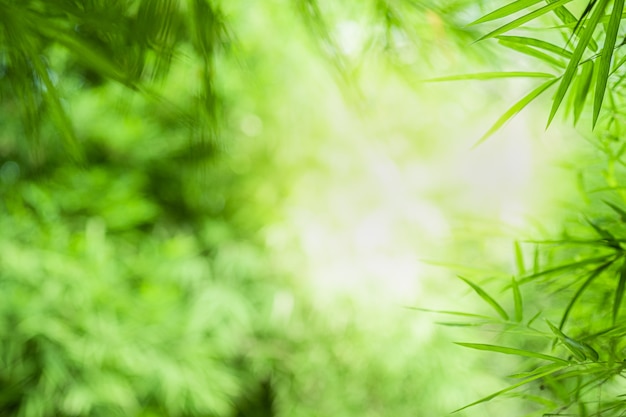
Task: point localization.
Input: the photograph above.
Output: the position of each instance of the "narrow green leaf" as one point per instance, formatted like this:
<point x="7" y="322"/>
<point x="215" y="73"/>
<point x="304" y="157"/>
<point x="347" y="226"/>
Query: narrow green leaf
<point x="59" y="116"/>
<point x="519" y="258"/>
<point x="605" y="57"/>
<point x="507" y="10"/>
<point x="535" y="377"/>
<point x="537" y="43"/>
<point x="620" y="211"/>
<point x="532" y="52"/>
<point x="453" y="313"/>
<point x="491" y="76"/>
<point x="538" y="370"/>
<point x="582" y="288"/>
<point x="604" y="234"/>
<point x="583" y="86"/>
<point x="524" y="19"/>
<point x="517" y="300"/>
<point x="574" y="347"/>
<point x="516" y="108"/>
<point x="619" y="292"/>
<point x="572" y="67"/>
<point x="512" y="351"/>
<point x="573" y="266"/>
<point x="570" y="20"/>
<point x="486" y="297"/>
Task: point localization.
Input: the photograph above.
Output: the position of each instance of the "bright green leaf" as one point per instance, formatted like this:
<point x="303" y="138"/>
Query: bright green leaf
<point x="486" y="297"/>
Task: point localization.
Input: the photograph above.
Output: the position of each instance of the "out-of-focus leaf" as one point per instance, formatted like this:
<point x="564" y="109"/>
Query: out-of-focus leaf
<point x="535" y="377"/>
<point x="513" y="351"/>
<point x="491" y="76"/>
<point x="619" y="292"/>
<point x="517" y="300"/>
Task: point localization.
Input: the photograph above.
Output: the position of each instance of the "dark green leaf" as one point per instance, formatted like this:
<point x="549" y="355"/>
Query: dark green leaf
<point x="620" y="211"/>
<point x="594" y="274"/>
<point x="619" y="292"/>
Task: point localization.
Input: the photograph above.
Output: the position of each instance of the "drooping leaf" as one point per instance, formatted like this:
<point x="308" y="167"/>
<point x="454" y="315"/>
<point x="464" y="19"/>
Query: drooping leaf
<point x="620" y="211"/>
<point x="594" y="274"/>
<point x="486" y="297"/>
<point x="619" y="292"/>
<point x="517" y="301"/>
<point x="605" y="57"/>
<point x="516" y="108"/>
<point x="572" y="66"/>
<point x="512" y="351"/>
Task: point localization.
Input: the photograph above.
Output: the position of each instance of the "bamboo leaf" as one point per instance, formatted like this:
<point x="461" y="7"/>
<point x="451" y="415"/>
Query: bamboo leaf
<point x="580" y="350"/>
<point x="582" y="88"/>
<point x="605" y="57"/>
<point x="512" y="351"/>
<point x="619" y="292"/>
<point x="532" y="52"/>
<point x="519" y="258"/>
<point x="512" y="387"/>
<point x="537" y="43"/>
<point x="515" y="109"/>
<point x="486" y="297"/>
<point x="621" y="212"/>
<point x="560" y="268"/>
<point x="524" y="19"/>
<point x="491" y="76"/>
<point x="517" y="300"/>
<point x="572" y="67"/>
<point x="507" y="10"/>
<point x="570" y="20"/>
<point x="582" y="288"/>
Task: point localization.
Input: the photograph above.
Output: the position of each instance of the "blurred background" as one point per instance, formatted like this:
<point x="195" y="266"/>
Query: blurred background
<point x="267" y="260"/>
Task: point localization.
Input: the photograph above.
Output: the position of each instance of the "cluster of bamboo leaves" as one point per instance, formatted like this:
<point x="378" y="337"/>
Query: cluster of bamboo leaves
<point x="565" y="310"/>
<point x="576" y="48"/>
